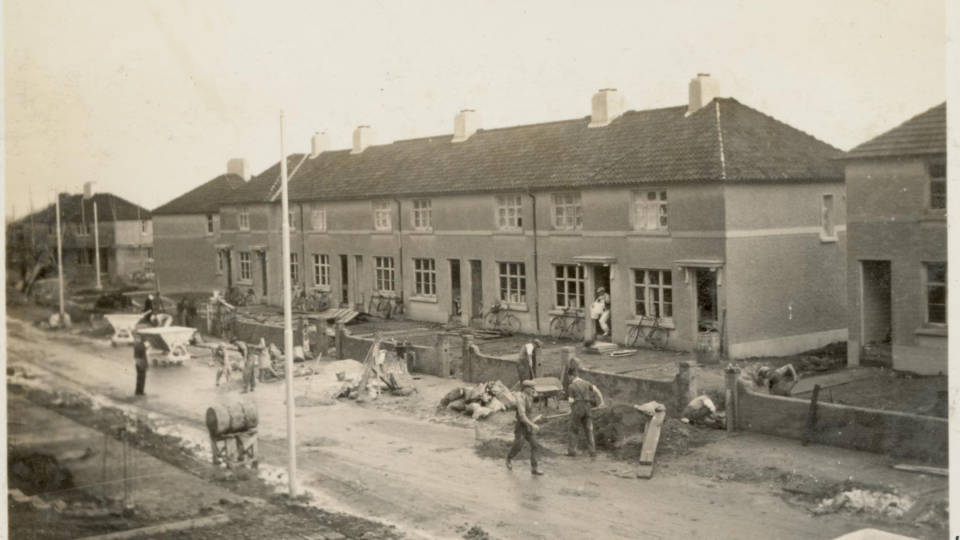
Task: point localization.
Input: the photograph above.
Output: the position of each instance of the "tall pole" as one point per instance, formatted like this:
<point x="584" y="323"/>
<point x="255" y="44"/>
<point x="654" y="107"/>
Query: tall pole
<point x="60" y="260"/>
<point x="96" y="243"/>
<point x="288" y="317"/>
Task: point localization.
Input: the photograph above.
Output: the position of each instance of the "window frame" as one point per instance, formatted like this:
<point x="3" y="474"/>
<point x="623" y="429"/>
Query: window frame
<point x="145" y="227"/>
<point x="321" y="270"/>
<point x="220" y="259"/>
<point x="648" y="286"/>
<point x="384" y="274"/>
<point x="559" y="200"/>
<point x="210" y="225"/>
<point x="503" y="206"/>
<point x="83" y="257"/>
<point x="422" y="214"/>
<point x="83" y="229"/>
<point x="828" y="218"/>
<point x="504" y="294"/>
<point x="927" y="284"/>
<point x="578" y="280"/>
<point x="425" y="278"/>
<point x="382" y="216"/>
<point x="659" y="205"/>
<point x="316" y="211"/>
<point x="292" y="219"/>
<point x="248" y="263"/>
<point x="933" y="177"/>
<point x="294" y="268"/>
<point x="243" y="219"/>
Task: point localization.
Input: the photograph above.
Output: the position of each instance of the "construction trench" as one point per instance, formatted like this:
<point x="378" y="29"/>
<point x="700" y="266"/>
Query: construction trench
<point x="441" y="360"/>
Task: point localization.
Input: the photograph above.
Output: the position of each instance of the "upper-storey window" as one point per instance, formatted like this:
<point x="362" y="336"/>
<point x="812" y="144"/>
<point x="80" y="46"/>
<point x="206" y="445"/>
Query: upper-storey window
<point x="650" y="210"/>
<point x="243" y="220"/>
<point x="318" y="218"/>
<point x="422" y="215"/>
<point x="209" y="223"/>
<point x="567" y="212"/>
<point x="938" y="185"/>
<point x="292" y="220"/>
<point x="508" y="212"/>
<point x="83" y="229"/>
<point x="381" y="216"/>
<point x="828" y="226"/>
<point x="144" y="227"/>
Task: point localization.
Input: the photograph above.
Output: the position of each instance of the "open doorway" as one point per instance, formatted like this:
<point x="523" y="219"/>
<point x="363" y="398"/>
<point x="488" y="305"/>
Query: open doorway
<point x="358" y="298"/>
<point x="344" y="282"/>
<point x="707" y="313"/>
<point x="476" y="290"/>
<point x="455" y="295"/>
<point x="264" y="290"/>
<point x="601" y="278"/>
<point x="876" y="312"/>
<point x="229" y="262"/>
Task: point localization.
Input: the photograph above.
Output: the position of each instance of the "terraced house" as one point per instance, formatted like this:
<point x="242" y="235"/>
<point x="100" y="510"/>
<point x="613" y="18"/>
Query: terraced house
<point x="707" y="216"/>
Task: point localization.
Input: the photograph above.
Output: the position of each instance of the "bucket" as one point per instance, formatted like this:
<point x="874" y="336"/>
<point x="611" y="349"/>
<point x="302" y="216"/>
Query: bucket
<point x="708" y="348"/>
<point x="232" y="418"/>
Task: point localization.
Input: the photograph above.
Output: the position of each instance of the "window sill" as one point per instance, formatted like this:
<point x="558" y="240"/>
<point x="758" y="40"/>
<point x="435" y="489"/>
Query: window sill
<point x="245" y="282"/>
<point x="385" y="294"/>
<point x="511" y="306"/>
<point x="243" y="231"/>
<point x="664" y="323"/>
<point x="829" y="239"/>
<point x="320" y="288"/>
<point x="566" y="233"/>
<point x="323" y="231"/>
<point x="424" y="299"/>
<point x="508" y="232"/>
<point x="649" y="233"/>
<point x="934" y="331"/>
<point x="558" y="312"/>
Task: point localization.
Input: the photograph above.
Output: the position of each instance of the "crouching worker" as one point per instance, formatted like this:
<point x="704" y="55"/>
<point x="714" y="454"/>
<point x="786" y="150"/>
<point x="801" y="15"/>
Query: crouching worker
<point x="525" y="430"/>
<point x="702" y="412"/>
<point x="780" y="381"/>
<point x="583" y="397"/>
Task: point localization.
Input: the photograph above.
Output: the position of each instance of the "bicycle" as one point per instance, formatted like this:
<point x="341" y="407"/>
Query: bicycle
<point x="656" y="337"/>
<point x="311" y="300"/>
<point x="235" y="296"/>
<point x="500" y="319"/>
<point x="559" y="328"/>
<point x="382" y="305"/>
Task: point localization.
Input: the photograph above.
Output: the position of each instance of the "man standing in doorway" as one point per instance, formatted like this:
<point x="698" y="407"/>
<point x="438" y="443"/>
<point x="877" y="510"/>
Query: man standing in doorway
<point x="603" y="310"/>
<point x="582" y="396"/>
<point x="525" y="429"/>
<point x="141" y="361"/>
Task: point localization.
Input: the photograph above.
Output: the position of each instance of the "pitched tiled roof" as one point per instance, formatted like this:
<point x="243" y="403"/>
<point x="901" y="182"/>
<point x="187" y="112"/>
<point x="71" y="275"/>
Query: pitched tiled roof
<point x="263" y="186"/>
<point x="923" y="134"/>
<point x="204" y="199"/>
<point x="722" y="141"/>
<point x="74" y="207"/>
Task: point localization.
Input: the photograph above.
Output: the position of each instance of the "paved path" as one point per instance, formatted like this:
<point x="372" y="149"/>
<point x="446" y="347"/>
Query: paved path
<point x="425" y="476"/>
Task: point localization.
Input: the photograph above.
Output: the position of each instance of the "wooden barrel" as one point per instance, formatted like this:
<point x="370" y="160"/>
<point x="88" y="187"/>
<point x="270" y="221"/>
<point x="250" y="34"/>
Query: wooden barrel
<point x="232" y="418"/>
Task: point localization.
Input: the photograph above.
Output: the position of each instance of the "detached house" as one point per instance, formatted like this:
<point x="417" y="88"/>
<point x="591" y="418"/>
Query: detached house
<point x="897" y="253"/>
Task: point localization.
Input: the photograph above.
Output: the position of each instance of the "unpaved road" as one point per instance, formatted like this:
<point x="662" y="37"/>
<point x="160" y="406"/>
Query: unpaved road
<point x="424" y="476"/>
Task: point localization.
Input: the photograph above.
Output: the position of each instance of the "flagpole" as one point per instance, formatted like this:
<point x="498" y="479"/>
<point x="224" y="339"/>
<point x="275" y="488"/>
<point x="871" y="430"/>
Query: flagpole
<point x="288" y="318"/>
<point x="60" y="262"/>
<point x="96" y="242"/>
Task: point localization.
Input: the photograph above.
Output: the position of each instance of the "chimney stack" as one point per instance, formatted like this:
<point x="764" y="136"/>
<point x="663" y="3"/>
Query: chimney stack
<point x="703" y="90"/>
<point x="88" y="190"/>
<point x="363" y="137"/>
<point x="239" y="167"/>
<point x="465" y="124"/>
<point x="607" y="105"/>
<point x="319" y="144"/>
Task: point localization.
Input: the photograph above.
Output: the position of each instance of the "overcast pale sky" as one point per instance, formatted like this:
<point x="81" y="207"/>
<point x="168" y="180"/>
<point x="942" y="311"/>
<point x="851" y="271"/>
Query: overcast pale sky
<point x="151" y="98"/>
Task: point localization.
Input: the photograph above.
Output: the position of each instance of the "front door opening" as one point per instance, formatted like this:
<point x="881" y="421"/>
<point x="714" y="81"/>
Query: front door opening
<point x="876" y="312"/>
<point x="707" y="318"/>
<point x="359" y="304"/>
<point x="456" y="299"/>
<point x="476" y="290"/>
<point x="344" y="282"/>
<point x="601" y="278"/>
<point x="263" y="275"/>
<point x="229" y="257"/>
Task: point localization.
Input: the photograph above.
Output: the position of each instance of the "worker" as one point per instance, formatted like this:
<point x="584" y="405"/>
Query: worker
<point x="583" y="397"/>
<point x="220" y="356"/>
<point x="604" y="298"/>
<point x="161" y="320"/>
<point x="529" y="358"/>
<point x="525" y="429"/>
<point x="780" y="381"/>
<point x="249" y="366"/>
<point x="699" y="411"/>
<point x="565" y="377"/>
<point x="266" y="364"/>
<point x="148" y="304"/>
<point x="140" y="359"/>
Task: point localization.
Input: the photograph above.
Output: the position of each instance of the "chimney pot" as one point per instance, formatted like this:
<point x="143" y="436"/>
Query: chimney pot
<point x="363" y="137"/>
<point x="239" y="167"/>
<point x="703" y="90"/>
<point x="319" y="144"/>
<point x="88" y="190"/>
<point x="607" y="105"/>
<point x="465" y="125"/>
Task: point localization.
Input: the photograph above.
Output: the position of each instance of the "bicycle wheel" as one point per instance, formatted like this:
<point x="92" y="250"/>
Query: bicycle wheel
<point x="323" y="302"/>
<point x="632" y="335"/>
<point x="658" y="338"/>
<point x="577" y="329"/>
<point x="556" y="327"/>
<point x="490" y="321"/>
<point x="510" y="324"/>
<point x="385" y="308"/>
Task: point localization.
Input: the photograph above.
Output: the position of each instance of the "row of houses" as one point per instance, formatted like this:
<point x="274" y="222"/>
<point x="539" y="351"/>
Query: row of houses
<point x="710" y="216"/>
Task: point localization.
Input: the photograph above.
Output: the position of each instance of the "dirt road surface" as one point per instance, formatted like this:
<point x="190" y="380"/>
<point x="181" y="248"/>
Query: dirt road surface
<point x="424" y="476"/>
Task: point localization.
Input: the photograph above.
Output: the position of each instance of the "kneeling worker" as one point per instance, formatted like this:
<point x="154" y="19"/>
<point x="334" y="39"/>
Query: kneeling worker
<point x="525" y="430"/>
<point x="582" y="396"/>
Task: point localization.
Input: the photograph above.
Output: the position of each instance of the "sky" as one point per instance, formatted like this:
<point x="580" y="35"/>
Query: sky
<point x="150" y="99"/>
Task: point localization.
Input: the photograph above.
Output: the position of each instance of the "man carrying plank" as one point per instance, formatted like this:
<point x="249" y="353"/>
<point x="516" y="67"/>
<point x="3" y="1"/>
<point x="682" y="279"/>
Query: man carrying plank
<point x="583" y="397"/>
<point x="525" y="430"/>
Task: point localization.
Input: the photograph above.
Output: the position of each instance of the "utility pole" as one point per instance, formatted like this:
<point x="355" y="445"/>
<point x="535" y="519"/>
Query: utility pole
<point x="96" y="243"/>
<point x="288" y="318"/>
<point x="60" y="261"/>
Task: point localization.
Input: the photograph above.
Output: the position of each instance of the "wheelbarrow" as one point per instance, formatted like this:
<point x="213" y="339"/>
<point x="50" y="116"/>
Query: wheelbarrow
<point x="546" y="388"/>
<point x="124" y="324"/>
<point x="172" y="340"/>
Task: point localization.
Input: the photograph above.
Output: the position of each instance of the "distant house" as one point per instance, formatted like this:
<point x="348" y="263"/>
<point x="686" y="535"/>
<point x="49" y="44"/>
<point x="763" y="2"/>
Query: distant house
<point x="186" y="230"/>
<point x="710" y="217"/>
<point x="897" y="246"/>
<point x="125" y="235"/>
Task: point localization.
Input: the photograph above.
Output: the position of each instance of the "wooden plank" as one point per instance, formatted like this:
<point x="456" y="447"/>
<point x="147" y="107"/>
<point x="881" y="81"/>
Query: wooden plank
<point x="811" y="428"/>
<point x="937" y="471"/>
<point x="167" y="527"/>
<point x="648" y="452"/>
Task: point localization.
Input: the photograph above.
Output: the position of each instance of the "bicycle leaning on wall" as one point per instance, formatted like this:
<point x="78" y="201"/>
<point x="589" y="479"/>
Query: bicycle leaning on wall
<point x="568" y="325"/>
<point x="656" y="337"/>
<point x="499" y="319"/>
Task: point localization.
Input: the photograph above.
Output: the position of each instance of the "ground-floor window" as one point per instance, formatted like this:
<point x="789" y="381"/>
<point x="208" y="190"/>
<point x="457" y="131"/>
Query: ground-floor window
<point x="85" y="257"/>
<point x="935" y="281"/>
<point x="321" y="270"/>
<point x="219" y="262"/>
<point x="246" y="266"/>
<point x="570" y="285"/>
<point x="425" y="277"/>
<point x="294" y="268"/>
<point x="653" y="293"/>
<point x="513" y="282"/>
<point x="385" y="280"/>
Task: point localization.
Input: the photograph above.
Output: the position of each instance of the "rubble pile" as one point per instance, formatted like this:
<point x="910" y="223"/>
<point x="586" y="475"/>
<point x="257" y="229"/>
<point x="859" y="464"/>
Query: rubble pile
<point x="871" y="502"/>
<point x="480" y="401"/>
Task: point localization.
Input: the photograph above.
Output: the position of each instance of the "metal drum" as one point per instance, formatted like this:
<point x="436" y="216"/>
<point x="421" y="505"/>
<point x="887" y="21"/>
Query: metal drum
<point x="231" y="418"/>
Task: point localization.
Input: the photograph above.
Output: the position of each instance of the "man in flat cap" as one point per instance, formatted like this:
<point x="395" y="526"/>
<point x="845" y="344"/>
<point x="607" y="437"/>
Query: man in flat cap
<point x="529" y="359"/>
<point x="525" y="430"/>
